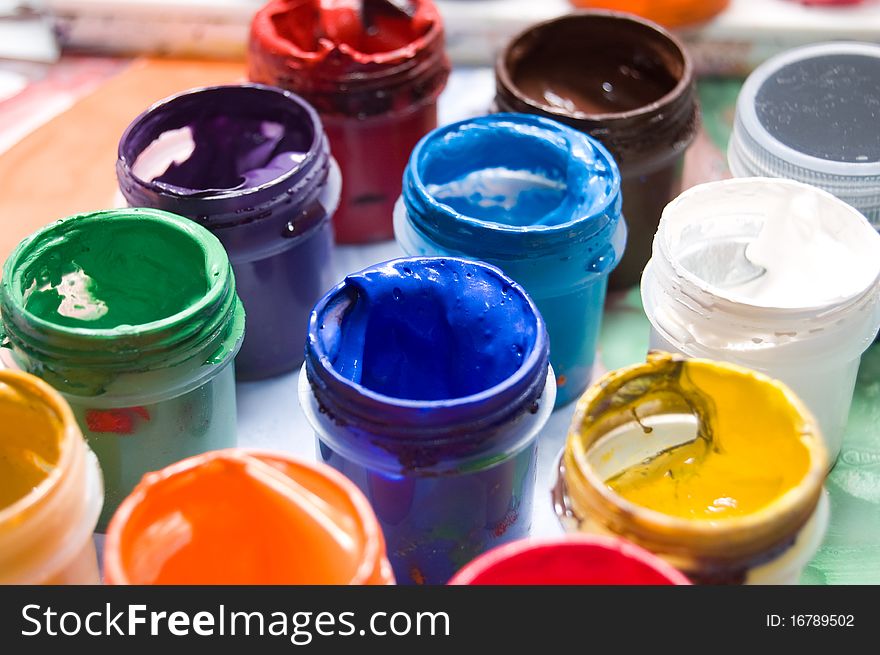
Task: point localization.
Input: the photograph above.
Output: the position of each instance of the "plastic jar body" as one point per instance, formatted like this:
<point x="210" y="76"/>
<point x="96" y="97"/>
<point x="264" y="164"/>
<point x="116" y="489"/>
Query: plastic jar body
<point x="765" y="516"/>
<point x="560" y="246"/>
<point x="292" y="523"/>
<point x="809" y="114"/>
<point x="814" y="346"/>
<point x="252" y="164"/>
<point x="572" y="560"/>
<point x="46" y="532"/>
<point x="375" y="89"/>
<point x="156" y="387"/>
<point x="452" y="474"/>
<point x="639" y="100"/>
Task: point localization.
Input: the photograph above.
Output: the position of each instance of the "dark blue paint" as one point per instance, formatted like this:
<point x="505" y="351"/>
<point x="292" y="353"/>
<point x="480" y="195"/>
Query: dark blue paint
<point x="441" y="330"/>
<point x="261" y="179"/>
<point x="429" y="372"/>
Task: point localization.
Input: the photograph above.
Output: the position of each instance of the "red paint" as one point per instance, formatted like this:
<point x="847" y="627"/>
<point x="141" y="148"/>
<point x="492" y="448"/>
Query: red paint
<point x="569" y="560"/>
<point x="508" y="520"/>
<point x="117" y="421"/>
<point x="375" y="89"/>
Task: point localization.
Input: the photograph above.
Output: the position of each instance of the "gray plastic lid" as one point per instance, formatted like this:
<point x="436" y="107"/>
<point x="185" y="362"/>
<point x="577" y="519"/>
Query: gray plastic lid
<point x="812" y="114"/>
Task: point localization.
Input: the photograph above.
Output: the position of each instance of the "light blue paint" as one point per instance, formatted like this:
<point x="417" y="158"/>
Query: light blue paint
<point x="537" y="199"/>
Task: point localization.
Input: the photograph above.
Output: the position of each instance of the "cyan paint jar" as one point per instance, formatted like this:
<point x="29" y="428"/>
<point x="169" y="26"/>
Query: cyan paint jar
<point x="132" y="315"/>
<point x="535" y="198"/>
<point x="427" y="382"/>
<point x="251" y="163"/>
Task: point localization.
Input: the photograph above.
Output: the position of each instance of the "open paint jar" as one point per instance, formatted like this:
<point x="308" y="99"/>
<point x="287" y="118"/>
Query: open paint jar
<point x="374" y="73"/>
<point x="427" y="383"/>
<point x="811" y="114"/>
<point x="540" y="201"/>
<point x="572" y="560"/>
<point x="245" y="517"/>
<point x="713" y="467"/>
<point x="626" y="82"/>
<point x="132" y="315"/>
<point x="50" y="488"/>
<point x="774" y="275"/>
<point x="251" y="164"/>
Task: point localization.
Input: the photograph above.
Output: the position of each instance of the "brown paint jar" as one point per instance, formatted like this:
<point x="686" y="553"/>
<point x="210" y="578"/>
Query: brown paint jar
<point x="628" y="83"/>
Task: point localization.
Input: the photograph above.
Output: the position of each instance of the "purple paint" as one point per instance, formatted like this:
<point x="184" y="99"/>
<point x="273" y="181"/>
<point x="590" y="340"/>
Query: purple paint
<point x="252" y="164"/>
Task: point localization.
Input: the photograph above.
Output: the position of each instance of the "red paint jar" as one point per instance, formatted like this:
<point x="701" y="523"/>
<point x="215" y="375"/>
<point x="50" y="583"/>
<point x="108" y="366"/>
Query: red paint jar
<point x="375" y="87"/>
<point x="572" y="560"/>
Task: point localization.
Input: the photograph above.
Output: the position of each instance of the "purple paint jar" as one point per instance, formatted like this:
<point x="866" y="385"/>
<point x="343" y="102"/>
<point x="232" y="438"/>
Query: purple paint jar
<point x="427" y="383"/>
<point x="252" y="164"/>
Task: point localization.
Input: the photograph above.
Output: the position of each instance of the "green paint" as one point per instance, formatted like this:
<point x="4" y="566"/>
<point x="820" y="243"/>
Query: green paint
<point x="107" y="273"/>
<point x="92" y="300"/>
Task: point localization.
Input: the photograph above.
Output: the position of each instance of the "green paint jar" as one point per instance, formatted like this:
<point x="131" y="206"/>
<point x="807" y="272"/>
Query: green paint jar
<point x="132" y="315"/>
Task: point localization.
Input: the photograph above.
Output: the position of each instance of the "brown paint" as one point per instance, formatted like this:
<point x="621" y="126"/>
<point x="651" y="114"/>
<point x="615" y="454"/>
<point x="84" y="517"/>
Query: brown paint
<point x="624" y="81"/>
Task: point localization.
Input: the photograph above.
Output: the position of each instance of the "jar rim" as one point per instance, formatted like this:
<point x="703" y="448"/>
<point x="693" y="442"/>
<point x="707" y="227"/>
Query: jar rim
<point x="685" y="81"/>
<point x="738" y="537"/>
<point x="735" y="305"/>
<point x="214" y="322"/>
<point x="52" y="399"/>
<point x="216" y="260"/>
<point x="318" y="362"/>
<point x="420" y="202"/>
<point x="471" y="572"/>
<point x="264" y="32"/>
<point x="126" y="158"/>
<point x="751" y="138"/>
<point x="374" y="544"/>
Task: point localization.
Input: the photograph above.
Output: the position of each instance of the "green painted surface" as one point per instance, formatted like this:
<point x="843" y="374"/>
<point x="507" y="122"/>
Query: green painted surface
<point x="101" y="274"/>
<point x="850" y="553"/>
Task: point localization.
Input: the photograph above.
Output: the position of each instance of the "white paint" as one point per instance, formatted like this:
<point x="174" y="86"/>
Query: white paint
<point x="812" y="249"/>
<point x="496" y="187"/>
<point x="812" y="308"/>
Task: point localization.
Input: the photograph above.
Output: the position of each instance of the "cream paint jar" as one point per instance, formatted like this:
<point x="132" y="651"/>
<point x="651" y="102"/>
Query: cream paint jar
<point x="51" y="489"/>
<point x="662" y="454"/>
<point x="811" y="306"/>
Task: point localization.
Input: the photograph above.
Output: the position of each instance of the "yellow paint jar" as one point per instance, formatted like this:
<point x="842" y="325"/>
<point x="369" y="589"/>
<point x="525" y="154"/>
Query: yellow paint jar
<point x="51" y="490"/>
<point x="714" y="467"/>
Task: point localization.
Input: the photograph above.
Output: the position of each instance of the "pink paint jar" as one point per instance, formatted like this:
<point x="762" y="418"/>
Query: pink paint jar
<point x="572" y="560"/>
<point x="374" y="78"/>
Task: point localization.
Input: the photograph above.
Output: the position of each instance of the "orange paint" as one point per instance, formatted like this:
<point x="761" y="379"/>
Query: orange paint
<point x="671" y="13"/>
<point x="244" y="517"/>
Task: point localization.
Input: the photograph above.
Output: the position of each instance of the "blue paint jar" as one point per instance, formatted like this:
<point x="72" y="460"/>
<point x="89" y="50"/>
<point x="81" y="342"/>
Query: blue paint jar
<point x="252" y="164"/>
<point x="427" y="382"/>
<point x="535" y="198"/>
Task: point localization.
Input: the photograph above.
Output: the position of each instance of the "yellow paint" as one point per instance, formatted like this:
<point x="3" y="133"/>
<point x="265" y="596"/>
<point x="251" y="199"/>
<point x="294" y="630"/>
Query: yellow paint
<point x="31" y="433"/>
<point x="750" y="449"/>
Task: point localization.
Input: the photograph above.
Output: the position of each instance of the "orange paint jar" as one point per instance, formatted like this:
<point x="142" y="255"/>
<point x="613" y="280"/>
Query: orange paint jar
<point x="51" y="489"/>
<point x="245" y="517"/>
<point x="671" y="13"/>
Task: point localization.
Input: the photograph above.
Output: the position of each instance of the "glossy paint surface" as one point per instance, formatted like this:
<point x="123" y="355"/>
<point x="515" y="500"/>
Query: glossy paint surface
<point x="239" y="517"/>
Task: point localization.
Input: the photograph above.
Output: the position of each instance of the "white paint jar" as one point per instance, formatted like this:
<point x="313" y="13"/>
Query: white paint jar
<point x="817" y="311"/>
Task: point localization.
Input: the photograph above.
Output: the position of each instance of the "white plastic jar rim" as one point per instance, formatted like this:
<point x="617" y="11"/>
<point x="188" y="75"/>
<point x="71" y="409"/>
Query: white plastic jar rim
<point x="754" y="151"/>
<point x="846" y="323"/>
